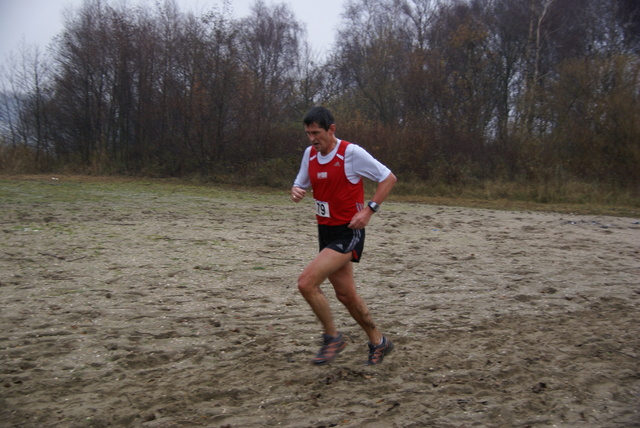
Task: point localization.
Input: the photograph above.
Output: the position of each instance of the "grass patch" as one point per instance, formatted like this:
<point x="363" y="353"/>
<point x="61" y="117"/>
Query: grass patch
<point x="571" y="197"/>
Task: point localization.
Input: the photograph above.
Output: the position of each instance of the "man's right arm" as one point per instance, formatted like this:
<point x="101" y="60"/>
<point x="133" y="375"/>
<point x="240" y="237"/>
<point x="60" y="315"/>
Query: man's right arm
<point x="302" y="180"/>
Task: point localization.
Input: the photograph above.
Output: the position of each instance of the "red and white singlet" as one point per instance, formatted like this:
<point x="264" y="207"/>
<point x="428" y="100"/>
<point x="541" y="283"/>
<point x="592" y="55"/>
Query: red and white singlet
<point x="337" y="199"/>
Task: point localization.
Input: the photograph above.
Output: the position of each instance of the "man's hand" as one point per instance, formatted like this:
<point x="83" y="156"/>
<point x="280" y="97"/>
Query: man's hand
<point x="297" y="193"/>
<point x="361" y="219"/>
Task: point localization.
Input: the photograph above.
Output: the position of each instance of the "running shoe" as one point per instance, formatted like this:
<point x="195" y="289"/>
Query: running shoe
<point x="378" y="352"/>
<point x="331" y="347"/>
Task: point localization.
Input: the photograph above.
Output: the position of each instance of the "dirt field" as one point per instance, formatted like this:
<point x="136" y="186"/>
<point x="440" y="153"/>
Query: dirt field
<point x="159" y="305"/>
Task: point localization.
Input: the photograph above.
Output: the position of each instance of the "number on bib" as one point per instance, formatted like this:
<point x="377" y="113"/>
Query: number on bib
<point x="322" y="209"/>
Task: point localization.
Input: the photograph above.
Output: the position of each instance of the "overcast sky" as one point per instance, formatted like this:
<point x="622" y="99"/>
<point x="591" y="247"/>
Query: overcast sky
<point x="36" y="22"/>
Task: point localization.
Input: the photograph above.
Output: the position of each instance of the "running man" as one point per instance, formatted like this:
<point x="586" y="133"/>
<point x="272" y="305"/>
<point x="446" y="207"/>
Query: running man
<point x="334" y="169"/>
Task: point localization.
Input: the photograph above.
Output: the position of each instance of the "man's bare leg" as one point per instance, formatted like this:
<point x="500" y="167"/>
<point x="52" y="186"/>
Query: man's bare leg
<point x="321" y="267"/>
<point x="345" y="288"/>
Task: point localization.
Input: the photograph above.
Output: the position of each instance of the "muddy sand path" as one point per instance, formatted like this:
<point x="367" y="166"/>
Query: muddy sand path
<point x="151" y="306"/>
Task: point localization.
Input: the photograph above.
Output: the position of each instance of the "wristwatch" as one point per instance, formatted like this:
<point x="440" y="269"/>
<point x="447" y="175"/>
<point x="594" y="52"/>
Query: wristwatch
<point x="374" y="206"/>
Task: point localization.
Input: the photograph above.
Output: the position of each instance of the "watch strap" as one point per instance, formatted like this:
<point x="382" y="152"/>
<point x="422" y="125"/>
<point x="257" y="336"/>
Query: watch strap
<point x="374" y="206"/>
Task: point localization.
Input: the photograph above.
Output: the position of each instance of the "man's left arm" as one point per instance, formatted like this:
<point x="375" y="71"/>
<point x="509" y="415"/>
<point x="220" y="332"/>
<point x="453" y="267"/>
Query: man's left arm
<point x="361" y="219"/>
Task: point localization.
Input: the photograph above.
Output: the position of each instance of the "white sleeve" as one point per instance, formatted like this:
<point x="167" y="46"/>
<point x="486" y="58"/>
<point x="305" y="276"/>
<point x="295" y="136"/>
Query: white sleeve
<point x="302" y="179"/>
<point x="359" y="163"/>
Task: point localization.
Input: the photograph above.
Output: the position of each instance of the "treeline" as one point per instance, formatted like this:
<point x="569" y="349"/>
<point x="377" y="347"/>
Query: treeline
<point x="455" y="91"/>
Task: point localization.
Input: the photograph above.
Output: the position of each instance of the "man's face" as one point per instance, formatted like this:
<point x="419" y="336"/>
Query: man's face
<point x="322" y="140"/>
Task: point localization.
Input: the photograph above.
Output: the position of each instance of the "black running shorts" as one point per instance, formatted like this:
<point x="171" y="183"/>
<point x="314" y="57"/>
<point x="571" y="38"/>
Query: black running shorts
<point x="342" y="239"/>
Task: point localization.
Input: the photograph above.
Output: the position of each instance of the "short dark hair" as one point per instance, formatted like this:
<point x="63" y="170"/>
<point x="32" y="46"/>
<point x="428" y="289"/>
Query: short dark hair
<point x="320" y="116"/>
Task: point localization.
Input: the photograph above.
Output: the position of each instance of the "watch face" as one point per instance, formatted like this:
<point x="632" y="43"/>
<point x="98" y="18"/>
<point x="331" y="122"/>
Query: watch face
<point x="375" y="207"/>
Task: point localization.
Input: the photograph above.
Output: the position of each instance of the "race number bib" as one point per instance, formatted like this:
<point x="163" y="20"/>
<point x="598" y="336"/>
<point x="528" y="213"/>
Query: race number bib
<point x="322" y="209"/>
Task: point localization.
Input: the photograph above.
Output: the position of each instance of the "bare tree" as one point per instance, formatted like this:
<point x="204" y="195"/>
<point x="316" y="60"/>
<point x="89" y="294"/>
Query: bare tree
<point x="24" y="97"/>
<point x="369" y="58"/>
<point x="269" y="54"/>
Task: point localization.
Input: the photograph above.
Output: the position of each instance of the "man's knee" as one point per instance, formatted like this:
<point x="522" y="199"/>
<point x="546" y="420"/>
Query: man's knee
<point x="305" y="284"/>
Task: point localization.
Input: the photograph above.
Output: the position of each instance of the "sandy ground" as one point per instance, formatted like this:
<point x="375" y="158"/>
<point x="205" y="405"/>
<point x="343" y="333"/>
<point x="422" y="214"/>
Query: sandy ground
<point x="148" y="307"/>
